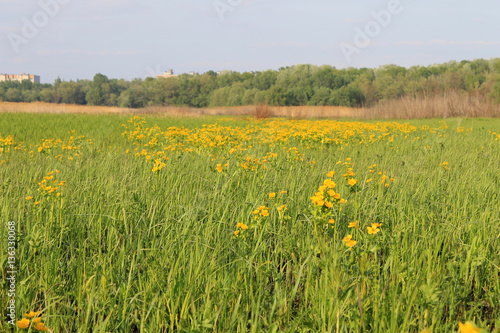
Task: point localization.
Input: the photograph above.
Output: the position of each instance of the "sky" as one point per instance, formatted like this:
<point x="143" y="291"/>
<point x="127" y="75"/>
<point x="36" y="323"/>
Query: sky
<point x="75" y="39"/>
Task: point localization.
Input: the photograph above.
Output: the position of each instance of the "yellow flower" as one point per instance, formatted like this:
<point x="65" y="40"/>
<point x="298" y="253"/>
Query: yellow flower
<point x="242" y="226"/>
<point x="36" y="202"/>
<point x="23" y="323"/>
<point x="331" y="221"/>
<point x="329" y="183"/>
<point x="352" y="182"/>
<point x="343" y="201"/>
<point x="284" y="192"/>
<point x="347" y="238"/>
<point x="354" y="225"/>
<point x="373" y="230"/>
<point x="468" y="327"/>
<point x="237" y="232"/>
<point x="272" y="195"/>
<point x="283" y="207"/>
<point x="387" y="185"/>
<point x="328" y="204"/>
<point x="31" y="314"/>
<point x="330" y="174"/>
<point x="40" y="327"/>
<point x="444" y="165"/>
<point x="219" y="168"/>
<point x="29" y="198"/>
<point x="369" y="180"/>
<point x="351" y="243"/>
<point x="264" y="213"/>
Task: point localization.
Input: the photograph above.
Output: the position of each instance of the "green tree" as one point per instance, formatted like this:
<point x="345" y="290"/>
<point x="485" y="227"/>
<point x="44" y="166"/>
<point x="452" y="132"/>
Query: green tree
<point x="99" y="90"/>
<point x="13" y="95"/>
<point x="71" y="93"/>
<point x="322" y="96"/>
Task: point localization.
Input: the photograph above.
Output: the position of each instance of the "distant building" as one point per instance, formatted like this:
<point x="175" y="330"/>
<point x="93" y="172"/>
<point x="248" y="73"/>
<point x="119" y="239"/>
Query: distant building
<point x="169" y="73"/>
<point x="19" y="77"/>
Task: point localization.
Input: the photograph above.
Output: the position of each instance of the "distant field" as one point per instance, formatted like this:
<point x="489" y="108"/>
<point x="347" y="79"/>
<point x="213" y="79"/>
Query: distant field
<point x="149" y="223"/>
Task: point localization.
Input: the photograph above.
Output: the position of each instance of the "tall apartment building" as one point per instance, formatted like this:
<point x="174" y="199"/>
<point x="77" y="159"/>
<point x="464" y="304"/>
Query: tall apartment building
<point x="19" y="77"/>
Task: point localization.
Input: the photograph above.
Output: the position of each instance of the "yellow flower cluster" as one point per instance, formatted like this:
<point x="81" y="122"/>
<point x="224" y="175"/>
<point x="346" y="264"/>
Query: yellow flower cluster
<point x="349" y="242"/>
<point x="6" y="143"/>
<point x="216" y="137"/>
<point x="444" y="165"/>
<point x="240" y="228"/>
<point x="220" y="167"/>
<point x="50" y="186"/>
<point x="326" y="196"/>
<point x="384" y="179"/>
<point x="261" y="211"/>
<point x="158" y="165"/>
<point x="32" y="318"/>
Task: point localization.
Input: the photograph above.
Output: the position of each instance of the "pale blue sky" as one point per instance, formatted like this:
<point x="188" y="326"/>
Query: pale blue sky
<point x="132" y="38"/>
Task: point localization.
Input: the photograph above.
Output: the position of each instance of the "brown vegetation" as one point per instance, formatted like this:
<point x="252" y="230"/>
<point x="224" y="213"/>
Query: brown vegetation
<point x="450" y="105"/>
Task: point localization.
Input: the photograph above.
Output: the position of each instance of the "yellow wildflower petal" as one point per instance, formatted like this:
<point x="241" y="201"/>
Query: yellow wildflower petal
<point x="23" y="323"/>
<point x="31" y="314"/>
<point x="40" y="327"/>
<point x="351" y="243"/>
<point x="468" y="327"/>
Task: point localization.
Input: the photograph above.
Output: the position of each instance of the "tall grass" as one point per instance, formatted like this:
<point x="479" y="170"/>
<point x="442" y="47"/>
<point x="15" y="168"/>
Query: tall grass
<point x="126" y="249"/>
<point x="453" y="104"/>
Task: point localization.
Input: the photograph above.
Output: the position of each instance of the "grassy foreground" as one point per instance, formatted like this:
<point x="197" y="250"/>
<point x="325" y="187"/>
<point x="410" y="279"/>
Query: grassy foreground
<point x="238" y="225"/>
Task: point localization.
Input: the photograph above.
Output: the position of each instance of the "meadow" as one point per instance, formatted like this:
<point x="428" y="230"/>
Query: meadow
<point x="144" y="223"/>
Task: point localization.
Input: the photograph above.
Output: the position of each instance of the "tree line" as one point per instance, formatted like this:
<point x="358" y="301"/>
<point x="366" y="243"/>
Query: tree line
<point x="288" y="86"/>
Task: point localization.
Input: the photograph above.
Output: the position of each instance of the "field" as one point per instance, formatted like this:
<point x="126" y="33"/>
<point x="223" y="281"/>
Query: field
<point x="146" y="223"/>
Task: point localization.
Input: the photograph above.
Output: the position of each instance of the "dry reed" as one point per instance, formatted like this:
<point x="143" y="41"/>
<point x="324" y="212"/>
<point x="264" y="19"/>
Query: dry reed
<point x="450" y="105"/>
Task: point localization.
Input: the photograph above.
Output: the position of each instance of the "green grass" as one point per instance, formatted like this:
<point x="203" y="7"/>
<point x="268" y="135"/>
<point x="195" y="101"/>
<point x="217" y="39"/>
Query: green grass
<point x="125" y="249"/>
